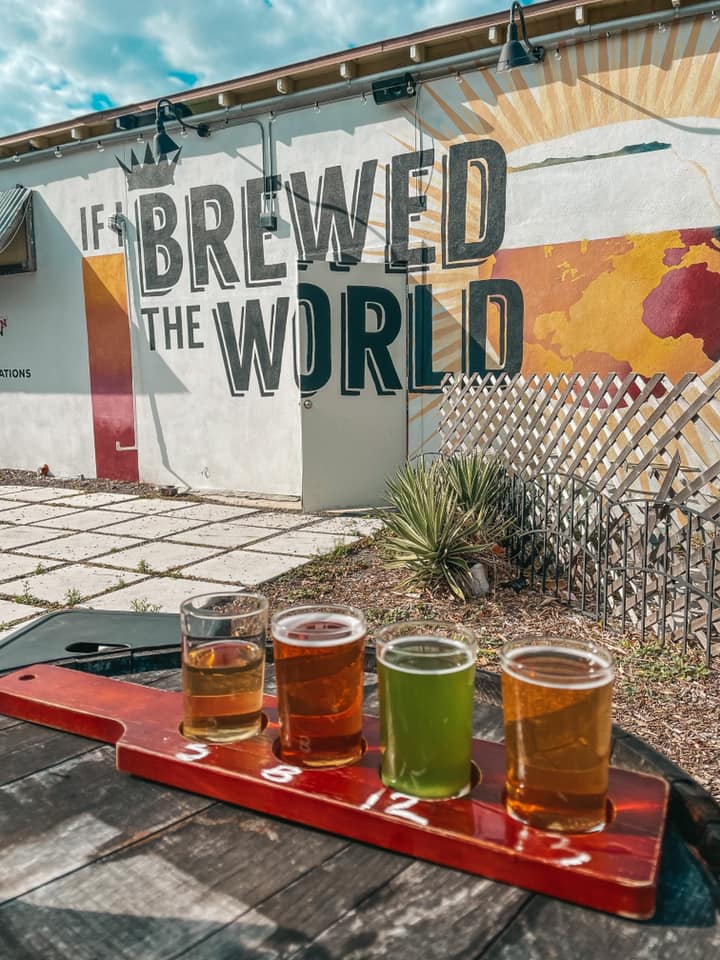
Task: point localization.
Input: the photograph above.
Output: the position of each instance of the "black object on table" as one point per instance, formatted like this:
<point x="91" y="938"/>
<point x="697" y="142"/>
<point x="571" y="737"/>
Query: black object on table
<point x="97" y="865"/>
<point x="111" y="642"/>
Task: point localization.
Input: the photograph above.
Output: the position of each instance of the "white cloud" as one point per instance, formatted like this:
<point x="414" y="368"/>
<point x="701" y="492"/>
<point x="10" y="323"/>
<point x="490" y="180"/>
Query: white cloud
<point x="56" y="55"/>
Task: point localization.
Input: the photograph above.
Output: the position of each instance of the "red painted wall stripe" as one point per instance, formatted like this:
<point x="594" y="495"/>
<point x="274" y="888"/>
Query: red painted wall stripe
<point x="110" y="360"/>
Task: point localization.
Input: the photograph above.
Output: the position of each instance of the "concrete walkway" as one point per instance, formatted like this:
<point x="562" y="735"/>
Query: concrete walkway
<point x="119" y="552"/>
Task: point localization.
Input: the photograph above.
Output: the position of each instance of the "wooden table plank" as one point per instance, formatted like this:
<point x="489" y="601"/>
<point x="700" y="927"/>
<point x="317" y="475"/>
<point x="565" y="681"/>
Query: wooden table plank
<point x="6" y="722"/>
<point x="177" y="888"/>
<point x="27" y="748"/>
<point x="425" y="912"/>
<point x="57" y="820"/>
<point x="685" y="926"/>
<point x="293" y="917"/>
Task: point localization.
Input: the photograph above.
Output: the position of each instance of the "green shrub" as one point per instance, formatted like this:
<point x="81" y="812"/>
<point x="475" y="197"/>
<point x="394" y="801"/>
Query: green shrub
<point x="478" y="482"/>
<point x="445" y="517"/>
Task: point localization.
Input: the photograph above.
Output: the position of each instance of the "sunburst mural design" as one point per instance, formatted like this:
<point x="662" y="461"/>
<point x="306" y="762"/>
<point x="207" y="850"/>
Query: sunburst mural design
<point x="642" y="281"/>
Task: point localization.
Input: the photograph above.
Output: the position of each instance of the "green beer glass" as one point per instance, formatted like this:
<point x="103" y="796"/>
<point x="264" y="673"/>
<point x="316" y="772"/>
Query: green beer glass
<point x="426" y="674"/>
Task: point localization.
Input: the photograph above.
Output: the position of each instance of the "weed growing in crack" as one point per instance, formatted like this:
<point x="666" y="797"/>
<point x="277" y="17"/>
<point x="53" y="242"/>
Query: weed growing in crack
<point x="143" y="605"/>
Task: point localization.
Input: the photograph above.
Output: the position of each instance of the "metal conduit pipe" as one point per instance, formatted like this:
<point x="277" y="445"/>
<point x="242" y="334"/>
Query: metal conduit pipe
<point x="349" y="89"/>
<point x="124" y="136"/>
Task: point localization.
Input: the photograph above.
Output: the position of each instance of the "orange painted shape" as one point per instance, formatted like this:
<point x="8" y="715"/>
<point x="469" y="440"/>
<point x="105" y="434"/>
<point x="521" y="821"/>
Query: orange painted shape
<point x="615" y="870"/>
<point x="110" y="361"/>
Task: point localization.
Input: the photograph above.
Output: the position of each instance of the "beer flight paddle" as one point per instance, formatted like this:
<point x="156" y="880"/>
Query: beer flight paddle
<point x="614" y="870"/>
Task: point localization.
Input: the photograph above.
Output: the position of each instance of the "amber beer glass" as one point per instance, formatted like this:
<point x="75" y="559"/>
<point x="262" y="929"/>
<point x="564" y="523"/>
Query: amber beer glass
<point x="557" y="697"/>
<point x="223" y="665"/>
<point x="319" y="653"/>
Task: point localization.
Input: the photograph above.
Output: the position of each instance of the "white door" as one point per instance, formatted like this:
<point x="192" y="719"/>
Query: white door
<point x="351" y="362"/>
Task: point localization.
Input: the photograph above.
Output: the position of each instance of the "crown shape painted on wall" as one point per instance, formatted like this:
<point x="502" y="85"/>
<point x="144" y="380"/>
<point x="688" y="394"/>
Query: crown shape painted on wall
<point x="150" y="172"/>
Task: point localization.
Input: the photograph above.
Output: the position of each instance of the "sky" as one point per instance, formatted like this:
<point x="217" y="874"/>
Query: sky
<point x="65" y="58"/>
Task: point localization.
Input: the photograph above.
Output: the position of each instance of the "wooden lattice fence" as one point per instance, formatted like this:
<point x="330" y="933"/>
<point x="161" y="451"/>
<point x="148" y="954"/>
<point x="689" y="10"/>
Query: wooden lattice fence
<point x="622" y="435"/>
<point x="615" y="485"/>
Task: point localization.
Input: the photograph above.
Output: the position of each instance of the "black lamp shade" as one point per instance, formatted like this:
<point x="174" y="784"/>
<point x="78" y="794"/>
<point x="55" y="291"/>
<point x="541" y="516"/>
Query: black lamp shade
<point x="163" y="144"/>
<point x="513" y="52"/>
<point x="512" y="55"/>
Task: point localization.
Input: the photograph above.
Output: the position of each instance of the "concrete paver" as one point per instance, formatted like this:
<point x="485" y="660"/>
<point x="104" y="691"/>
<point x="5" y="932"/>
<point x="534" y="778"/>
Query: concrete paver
<point x="69" y="584"/>
<point x="244" y="567"/>
<point x="80" y="546"/>
<point x="151" y="527"/>
<point x="13" y="566"/>
<point x="353" y="526"/>
<point x="33" y="513"/>
<point x="161" y="594"/>
<point x="148" y="505"/>
<point x="257" y="502"/>
<point x="11" y="611"/>
<point x="57" y="544"/>
<point x="37" y="494"/>
<point x="232" y="534"/>
<point x="158" y="556"/>
<point x="281" y="521"/>
<point x="97" y="499"/>
<point x="86" y="520"/>
<point x="12" y="538"/>
<point x="302" y="543"/>
<point x="211" y="512"/>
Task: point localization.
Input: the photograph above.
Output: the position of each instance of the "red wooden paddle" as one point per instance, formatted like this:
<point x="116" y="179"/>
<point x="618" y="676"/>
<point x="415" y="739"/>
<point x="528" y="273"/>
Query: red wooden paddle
<point x="615" y="870"/>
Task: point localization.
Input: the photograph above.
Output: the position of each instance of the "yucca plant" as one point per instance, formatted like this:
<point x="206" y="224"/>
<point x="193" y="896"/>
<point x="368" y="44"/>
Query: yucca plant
<point x="446" y="516"/>
<point x="428" y="533"/>
<point x="478" y="483"/>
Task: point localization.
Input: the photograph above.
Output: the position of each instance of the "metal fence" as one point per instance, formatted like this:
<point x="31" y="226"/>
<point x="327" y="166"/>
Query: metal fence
<point x="633" y="564"/>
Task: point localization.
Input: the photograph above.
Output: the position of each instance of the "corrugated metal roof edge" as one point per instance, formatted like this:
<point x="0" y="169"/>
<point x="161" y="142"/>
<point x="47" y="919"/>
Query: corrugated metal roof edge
<point x="13" y="208"/>
<point x="551" y="13"/>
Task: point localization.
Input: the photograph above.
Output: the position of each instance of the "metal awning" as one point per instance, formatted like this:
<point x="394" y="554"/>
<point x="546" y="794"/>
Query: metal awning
<point x="13" y="209"/>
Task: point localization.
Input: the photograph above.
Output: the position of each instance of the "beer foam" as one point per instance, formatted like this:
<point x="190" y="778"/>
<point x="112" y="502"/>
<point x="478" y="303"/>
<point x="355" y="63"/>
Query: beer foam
<point x="326" y="629"/>
<point x="596" y="671"/>
<point x="445" y="647"/>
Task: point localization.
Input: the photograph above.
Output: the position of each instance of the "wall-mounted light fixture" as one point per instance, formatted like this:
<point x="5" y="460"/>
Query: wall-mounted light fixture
<point x="518" y="53"/>
<point x="163" y="143"/>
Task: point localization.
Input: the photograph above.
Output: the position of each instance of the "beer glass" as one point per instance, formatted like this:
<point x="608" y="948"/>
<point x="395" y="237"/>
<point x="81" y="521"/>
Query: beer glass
<point x="223" y="665"/>
<point x="426" y="674"/>
<point x="319" y="653"/>
<point x="557" y="697"/>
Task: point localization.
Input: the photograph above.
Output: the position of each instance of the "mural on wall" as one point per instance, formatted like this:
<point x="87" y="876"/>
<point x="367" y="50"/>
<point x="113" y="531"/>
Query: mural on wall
<point x="187" y="239"/>
<point x="643" y="301"/>
<point x="110" y="363"/>
<point x="550" y="221"/>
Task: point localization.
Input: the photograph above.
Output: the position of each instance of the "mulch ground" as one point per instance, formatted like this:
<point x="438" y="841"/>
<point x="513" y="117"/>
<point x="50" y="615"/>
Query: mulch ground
<point x="671" y="701"/>
<point x="668" y="699"/>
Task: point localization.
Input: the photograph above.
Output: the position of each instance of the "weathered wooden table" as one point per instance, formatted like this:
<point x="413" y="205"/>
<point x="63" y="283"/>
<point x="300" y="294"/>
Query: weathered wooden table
<point x="95" y="864"/>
